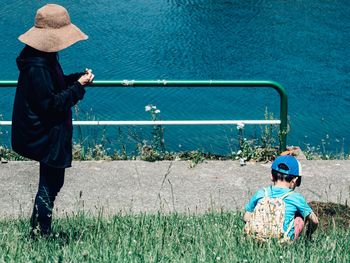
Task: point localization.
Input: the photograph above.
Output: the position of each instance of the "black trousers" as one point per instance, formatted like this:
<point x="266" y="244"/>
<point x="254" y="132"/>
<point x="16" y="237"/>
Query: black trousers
<point x="50" y="182"/>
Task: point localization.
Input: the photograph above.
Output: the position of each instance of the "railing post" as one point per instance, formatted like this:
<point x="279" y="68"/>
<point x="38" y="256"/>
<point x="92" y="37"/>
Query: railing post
<point x="283" y="115"/>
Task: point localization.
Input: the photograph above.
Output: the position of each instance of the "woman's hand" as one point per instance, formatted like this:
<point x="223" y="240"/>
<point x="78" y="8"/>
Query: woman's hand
<point x="87" y="78"/>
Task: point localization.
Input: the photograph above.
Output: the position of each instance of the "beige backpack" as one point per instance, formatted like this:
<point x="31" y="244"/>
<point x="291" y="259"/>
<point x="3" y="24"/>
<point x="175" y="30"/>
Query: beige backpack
<point x="267" y="219"/>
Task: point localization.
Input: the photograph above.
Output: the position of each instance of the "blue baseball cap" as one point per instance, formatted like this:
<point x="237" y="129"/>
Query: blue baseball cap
<point x="294" y="167"/>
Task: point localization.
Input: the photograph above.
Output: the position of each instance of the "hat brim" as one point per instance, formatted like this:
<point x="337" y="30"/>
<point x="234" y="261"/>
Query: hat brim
<point x="52" y="40"/>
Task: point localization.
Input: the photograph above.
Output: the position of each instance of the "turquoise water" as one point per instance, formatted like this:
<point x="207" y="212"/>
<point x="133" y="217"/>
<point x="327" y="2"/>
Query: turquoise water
<point x="301" y="44"/>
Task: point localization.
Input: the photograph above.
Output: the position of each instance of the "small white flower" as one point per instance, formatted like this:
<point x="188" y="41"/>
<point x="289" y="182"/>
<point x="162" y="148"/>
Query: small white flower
<point x="242" y="161"/>
<point x="157" y="111"/>
<point x="154" y="107"/>
<point x="240" y="126"/>
<point x="148" y="108"/>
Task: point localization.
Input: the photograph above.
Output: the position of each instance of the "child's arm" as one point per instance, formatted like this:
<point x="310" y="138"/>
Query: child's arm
<point x="312" y="224"/>
<point x="247" y="216"/>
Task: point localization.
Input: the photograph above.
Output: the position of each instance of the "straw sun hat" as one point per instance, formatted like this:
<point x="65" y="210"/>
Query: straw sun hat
<point x="53" y="30"/>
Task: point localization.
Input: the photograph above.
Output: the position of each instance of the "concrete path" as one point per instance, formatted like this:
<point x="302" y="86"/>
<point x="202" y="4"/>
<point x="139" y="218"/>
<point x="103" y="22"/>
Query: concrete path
<point x="137" y="186"/>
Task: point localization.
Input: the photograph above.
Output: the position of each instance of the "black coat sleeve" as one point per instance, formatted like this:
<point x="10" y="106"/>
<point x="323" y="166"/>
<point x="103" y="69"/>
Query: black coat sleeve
<point x="71" y="78"/>
<point x="43" y="96"/>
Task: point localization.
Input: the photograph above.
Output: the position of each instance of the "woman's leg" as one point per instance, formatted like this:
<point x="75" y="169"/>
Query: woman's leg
<point x="298" y="226"/>
<point x="50" y="183"/>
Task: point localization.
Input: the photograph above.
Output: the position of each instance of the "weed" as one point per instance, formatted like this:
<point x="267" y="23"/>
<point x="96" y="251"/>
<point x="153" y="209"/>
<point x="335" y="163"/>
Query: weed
<point x="7" y="154"/>
<point x="258" y="149"/>
<point x="93" y="146"/>
<point x="322" y="152"/>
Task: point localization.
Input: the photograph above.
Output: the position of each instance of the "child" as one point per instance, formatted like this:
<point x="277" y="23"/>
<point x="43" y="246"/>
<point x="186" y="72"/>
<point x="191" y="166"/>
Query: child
<point x="277" y="211"/>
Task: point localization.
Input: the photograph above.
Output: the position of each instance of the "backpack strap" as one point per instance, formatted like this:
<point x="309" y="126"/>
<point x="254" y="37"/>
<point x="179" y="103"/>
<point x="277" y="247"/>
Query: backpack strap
<point x="291" y="224"/>
<point x="282" y="197"/>
<point x="286" y="194"/>
<point x="266" y="192"/>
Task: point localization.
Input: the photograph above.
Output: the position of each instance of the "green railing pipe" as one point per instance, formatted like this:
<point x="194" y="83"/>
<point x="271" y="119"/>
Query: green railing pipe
<point x="199" y="83"/>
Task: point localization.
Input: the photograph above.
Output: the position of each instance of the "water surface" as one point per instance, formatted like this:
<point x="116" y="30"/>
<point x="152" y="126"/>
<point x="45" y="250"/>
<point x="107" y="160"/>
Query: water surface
<point x="300" y="44"/>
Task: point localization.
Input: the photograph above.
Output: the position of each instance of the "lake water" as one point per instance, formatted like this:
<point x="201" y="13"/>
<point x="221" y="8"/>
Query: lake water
<point x="301" y="44"/>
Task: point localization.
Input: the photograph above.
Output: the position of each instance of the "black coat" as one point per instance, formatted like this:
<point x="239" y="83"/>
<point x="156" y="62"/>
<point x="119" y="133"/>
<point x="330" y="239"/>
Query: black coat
<point x="42" y="117"/>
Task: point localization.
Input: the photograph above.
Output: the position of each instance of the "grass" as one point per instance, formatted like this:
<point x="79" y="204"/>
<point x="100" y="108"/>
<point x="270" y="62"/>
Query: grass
<point x="212" y="237"/>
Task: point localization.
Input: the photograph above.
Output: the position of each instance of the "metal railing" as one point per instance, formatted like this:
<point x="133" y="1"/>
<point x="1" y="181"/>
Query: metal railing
<point x="189" y="83"/>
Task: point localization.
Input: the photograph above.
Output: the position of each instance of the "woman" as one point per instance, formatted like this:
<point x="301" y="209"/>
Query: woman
<point x="42" y="116"/>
